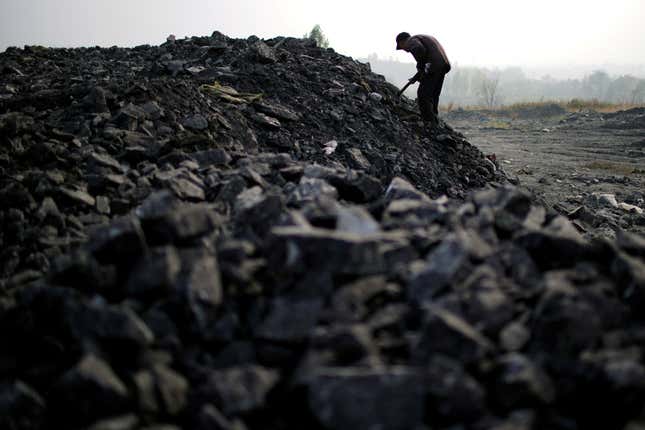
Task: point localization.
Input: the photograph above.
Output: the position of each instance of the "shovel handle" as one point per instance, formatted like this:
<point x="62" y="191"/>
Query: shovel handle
<point x="403" y="89"/>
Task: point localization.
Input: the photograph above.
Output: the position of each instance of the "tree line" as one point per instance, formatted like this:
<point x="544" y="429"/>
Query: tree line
<point x="473" y="86"/>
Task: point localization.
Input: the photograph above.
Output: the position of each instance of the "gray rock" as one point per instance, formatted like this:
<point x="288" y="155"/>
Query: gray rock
<point x="267" y="121"/>
<point x="103" y="205"/>
<point x="95" y="101"/>
<point x="216" y="157"/>
<point x="310" y="189"/>
<point x="258" y="211"/>
<point x="355" y="219"/>
<point x="90" y="390"/>
<point x="145" y="387"/>
<point x="263" y="53"/>
<point x="157" y="205"/>
<point x="630" y="272"/>
<point x="103" y="160"/>
<point x="154" y="274"/>
<point x="358" y="159"/>
<point x="172" y="389"/>
<point x="454" y="395"/>
<point x="153" y="110"/>
<point x="297" y="250"/>
<point x="557" y="245"/>
<point x="521" y="383"/>
<point x="129" y="117"/>
<point x="444" y="332"/>
<point x="48" y="213"/>
<point x="116" y="327"/>
<point x="514" y="336"/>
<point x="401" y="189"/>
<point x="341" y="345"/>
<point x="240" y="389"/>
<point x="413" y="213"/>
<point x="185" y="185"/>
<point x="352" y="185"/>
<point x="120" y="242"/>
<point x="195" y="122"/>
<point x="376" y="97"/>
<point x="276" y="111"/>
<point x="564" y="310"/>
<point x="124" y="422"/>
<point x="78" y="197"/>
<point x="229" y="189"/>
<point x="289" y="320"/>
<point x="199" y="281"/>
<point x="631" y="243"/>
<point x="181" y="225"/>
<point x="21" y="407"/>
<point x="175" y="66"/>
<point x="357" y="398"/>
<point x="210" y="418"/>
<point x="444" y="266"/>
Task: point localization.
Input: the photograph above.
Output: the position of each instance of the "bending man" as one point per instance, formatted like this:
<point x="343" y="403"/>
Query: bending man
<point x="432" y="66"/>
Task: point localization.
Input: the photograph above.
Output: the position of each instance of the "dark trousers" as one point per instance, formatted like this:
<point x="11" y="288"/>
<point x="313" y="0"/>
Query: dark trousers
<point x="428" y="96"/>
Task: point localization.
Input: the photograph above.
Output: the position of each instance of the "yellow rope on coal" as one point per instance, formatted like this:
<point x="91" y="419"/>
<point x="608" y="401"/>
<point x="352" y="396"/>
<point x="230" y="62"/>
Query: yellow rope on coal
<point x="230" y="94"/>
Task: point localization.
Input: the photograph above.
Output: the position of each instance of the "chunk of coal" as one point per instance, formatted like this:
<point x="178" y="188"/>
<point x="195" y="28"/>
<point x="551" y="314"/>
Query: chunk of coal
<point x="124" y="422"/>
<point x="352" y="185"/>
<point x="454" y="395"/>
<point x="445" y="333"/>
<point x="299" y="249"/>
<point x="400" y="189"/>
<point x="444" y="266"/>
<point x="117" y="327"/>
<point x="351" y="398"/>
<point x="89" y="390"/>
<point x="181" y="225"/>
<point x="154" y="274"/>
<point x="240" y="389"/>
<point x="21" y="407"/>
<point x="519" y="382"/>
<point x="196" y="122"/>
<point x="289" y="320"/>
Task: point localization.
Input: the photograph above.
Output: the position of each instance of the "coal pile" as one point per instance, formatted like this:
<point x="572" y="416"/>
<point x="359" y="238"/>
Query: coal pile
<point x="180" y="252"/>
<point x="628" y="119"/>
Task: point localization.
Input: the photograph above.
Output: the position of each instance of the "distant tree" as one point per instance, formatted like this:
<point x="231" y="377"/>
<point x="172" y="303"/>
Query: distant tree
<point x="638" y="93"/>
<point x="488" y="90"/>
<point x="621" y="89"/>
<point x="597" y="84"/>
<point x="317" y="34"/>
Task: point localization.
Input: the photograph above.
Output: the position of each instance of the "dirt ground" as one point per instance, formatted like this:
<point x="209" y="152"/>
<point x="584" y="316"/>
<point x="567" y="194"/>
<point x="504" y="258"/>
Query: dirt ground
<point x="567" y="160"/>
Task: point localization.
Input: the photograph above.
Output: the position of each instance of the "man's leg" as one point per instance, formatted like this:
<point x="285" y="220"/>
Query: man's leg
<point x="424" y="99"/>
<point x="437" y="85"/>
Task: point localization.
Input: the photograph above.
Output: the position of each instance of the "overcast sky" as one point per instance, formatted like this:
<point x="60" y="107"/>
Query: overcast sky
<point x="473" y="32"/>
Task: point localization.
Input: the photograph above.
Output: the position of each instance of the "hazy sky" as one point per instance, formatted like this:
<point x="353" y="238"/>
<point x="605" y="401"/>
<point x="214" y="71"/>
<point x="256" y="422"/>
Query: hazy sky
<point x="474" y="32"/>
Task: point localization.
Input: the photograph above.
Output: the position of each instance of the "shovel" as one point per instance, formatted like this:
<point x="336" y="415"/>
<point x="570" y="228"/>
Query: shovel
<point x="398" y="96"/>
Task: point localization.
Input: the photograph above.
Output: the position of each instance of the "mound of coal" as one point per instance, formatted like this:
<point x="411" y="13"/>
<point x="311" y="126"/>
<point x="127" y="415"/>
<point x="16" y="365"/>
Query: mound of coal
<point x="532" y="111"/>
<point x="81" y="131"/>
<point x="187" y="256"/>
<point x="626" y="119"/>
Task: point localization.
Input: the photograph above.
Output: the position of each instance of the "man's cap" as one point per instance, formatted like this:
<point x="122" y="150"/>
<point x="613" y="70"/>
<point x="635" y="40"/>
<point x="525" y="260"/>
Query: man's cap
<point x="401" y="37"/>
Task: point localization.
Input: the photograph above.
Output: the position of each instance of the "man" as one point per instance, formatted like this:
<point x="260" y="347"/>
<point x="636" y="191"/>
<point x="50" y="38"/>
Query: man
<point x="432" y="66"/>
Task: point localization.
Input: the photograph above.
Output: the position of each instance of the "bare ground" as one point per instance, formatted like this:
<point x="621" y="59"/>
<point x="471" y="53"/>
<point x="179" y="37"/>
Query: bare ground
<point x="564" y="160"/>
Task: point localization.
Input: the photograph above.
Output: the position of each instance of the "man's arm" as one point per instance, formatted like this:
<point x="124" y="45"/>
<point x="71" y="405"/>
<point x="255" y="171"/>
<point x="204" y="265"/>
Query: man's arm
<point x="415" y="78"/>
<point x="418" y="51"/>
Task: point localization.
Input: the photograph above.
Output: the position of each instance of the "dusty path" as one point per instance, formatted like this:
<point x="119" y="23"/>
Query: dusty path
<point x="565" y="160"/>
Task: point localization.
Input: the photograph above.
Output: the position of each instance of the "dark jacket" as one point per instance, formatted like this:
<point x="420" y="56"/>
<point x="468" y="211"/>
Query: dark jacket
<point x="427" y="49"/>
